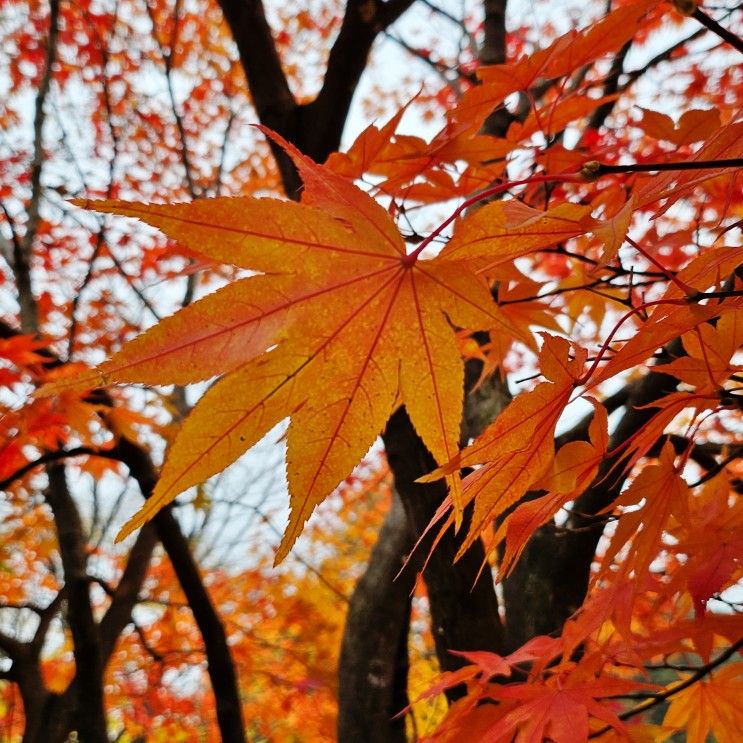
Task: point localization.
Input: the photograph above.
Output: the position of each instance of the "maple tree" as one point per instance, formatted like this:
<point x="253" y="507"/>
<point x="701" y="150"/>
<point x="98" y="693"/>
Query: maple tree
<point x="538" y="306"/>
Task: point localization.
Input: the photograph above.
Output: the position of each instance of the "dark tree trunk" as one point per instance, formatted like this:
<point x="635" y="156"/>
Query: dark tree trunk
<point x="90" y="715"/>
<point x="463" y="604"/>
<point x="374" y="662"/>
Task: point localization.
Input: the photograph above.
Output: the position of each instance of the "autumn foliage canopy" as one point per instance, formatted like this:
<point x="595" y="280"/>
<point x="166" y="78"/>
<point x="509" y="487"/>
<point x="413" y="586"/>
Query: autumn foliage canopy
<point x="548" y="288"/>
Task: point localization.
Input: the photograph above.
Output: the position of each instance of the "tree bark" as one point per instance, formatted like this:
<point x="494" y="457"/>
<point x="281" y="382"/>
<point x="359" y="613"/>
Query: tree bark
<point x="373" y="665"/>
<point x="463" y="604"/>
<point x="90" y="715"/>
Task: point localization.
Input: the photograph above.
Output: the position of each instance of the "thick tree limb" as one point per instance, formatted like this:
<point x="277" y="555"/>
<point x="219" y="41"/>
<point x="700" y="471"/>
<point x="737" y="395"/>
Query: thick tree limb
<point x="125" y="596"/>
<point x="26" y="672"/>
<point x="373" y="663"/>
<point x="220" y="666"/>
<point x="323" y="119"/>
<point x="90" y="717"/>
<point x="269" y="89"/>
<point x="10" y="646"/>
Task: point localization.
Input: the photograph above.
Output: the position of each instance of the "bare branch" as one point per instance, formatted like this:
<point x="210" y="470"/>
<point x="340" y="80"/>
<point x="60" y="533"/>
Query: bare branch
<point x="656" y="699"/>
<point x="46" y="615"/>
<point x="168" y="63"/>
<point x="46" y="458"/>
<point x="712" y="25"/>
<point x="125" y="595"/>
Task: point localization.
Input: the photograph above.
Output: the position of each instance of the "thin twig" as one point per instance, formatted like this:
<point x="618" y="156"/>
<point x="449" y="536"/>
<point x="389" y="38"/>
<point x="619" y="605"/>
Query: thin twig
<point x="737" y="453"/>
<point x="712" y="25"/>
<point x="656" y="699"/>
<point x="50" y="456"/>
<point x="103" y="49"/>
<point x="595" y="169"/>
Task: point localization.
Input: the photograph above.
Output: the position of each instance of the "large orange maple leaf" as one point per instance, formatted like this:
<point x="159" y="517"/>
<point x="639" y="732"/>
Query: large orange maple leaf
<point x="340" y="327"/>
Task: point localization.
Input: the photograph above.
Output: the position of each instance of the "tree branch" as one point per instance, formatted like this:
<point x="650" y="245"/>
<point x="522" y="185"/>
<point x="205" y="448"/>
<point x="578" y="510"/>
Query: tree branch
<point x="656" y="699"/>
<point x="46" y="458"/>
<point x="46" y="615"/>
<point x="125" y="595"/>
<point x="220" y="666"/>
<point x="90" y="716"/>
<point x="611" y="86"/>
<point x="269" y="89"/>
<point x="323" y="119"/>
<point x="712" y="25"/>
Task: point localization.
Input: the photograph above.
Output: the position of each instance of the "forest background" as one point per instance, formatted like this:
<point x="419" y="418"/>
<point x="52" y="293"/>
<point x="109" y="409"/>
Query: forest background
<point x="585" y="574"/>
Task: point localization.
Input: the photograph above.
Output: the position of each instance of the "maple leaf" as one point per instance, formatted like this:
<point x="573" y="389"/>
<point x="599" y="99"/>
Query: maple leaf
<point x="501" y="231"/>
<point x="560" y="709"/>
<point x="712" y="541"/>
<point x="693" y="126"/>
<point x="412" y="167"/>
<point x="709" y="350"/>
<point x="555" y="116"/>
<point x="663" y="493"/>
<point x="484" y="665"/>
<point x="566" y="53"/>
<point x="340" y="329"/>
<point x="21" y="350"/>
<point x="669" y="319"/>
<point x="572" y="470"/>
<point x="366" y="148"/>
<point x="517" y="449"/>
<point x="710" y="705"/>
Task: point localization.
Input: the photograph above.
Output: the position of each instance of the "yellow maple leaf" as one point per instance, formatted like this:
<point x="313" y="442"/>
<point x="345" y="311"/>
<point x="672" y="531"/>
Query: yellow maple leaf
<point x="341" y="327"/>
<point x="710" y="705"/>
